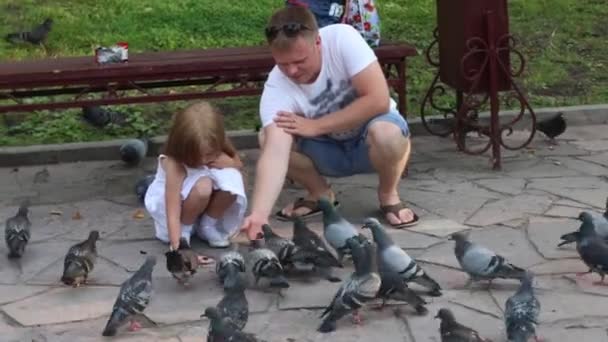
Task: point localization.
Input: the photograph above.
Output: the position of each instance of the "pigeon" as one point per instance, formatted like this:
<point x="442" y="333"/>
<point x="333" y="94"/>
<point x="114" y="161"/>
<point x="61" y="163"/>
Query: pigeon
<point x="362" y="286"/>
<point x="80" y="260"/>
<point x="311" y="249"/>
<point x="183" y="262"/>
<point x="228" y="268"/>
<point x="337" y="230"/>
<point x="141" y="187"/>
<point x="100" y="117"/>
<point x="17" y="232"/>
<point x="553" y="126"/>
<point x="133" y="151"/>
<point x="279" y="245"/>
<point x="521" y="312"/>
<point x="224" y="329"/>
<point x="600" y="223"/>
<point x="392" y="258"/>
<point x="592" y="248"/>
<point x="133" y="298"/>
<point x="452" y="331"/>
<point x="393" y="287"/>
<point x="481" y="263"/>
<point x="264" y="263"/>
<point x="234" y="303"/>
<point x="36" y="36"/>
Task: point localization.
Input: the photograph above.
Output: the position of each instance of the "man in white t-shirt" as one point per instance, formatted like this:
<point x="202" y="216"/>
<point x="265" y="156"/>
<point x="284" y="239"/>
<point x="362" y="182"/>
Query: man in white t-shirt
<point x="325" y="111"/>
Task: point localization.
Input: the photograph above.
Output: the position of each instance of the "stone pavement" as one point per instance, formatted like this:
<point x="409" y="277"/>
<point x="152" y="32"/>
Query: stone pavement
<point x="519" y="212"/>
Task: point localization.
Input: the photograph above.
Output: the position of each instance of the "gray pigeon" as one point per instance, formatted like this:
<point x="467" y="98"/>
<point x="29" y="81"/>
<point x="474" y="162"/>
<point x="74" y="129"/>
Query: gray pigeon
<point x="337" y="230"/>
<point x="481" y="263"/>
<point x="234" y="303"/>
<point x="393" y="287"/>
<point x="600" y="224"/>
<point x="592" y="249"/>
<point x="392" y="258"/>
<point x="263" y="263"/>
<point x="229" y="266"/>
<point x="80" y="260"/>
<point x="17" y="232"/>
<point x="312" y="250"/>
<point x="281" y="246"/>
<point x="362" y="286"/>
<point x="223" y="329"/>
<point x="452" y="331"/>
<point x="133" y="151"/>
<point x="521" y="312"/>
<point x="133" y="298"/>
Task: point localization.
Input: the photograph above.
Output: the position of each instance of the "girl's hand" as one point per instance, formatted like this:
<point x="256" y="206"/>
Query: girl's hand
<point x="224" y="161"/>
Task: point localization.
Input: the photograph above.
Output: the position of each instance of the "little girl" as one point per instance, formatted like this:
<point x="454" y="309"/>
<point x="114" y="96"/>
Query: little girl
<point x="198" y="185"/>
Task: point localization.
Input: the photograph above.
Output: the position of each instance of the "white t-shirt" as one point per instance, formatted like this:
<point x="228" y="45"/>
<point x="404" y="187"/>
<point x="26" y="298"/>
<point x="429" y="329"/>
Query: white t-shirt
<point x="344" y="53"/>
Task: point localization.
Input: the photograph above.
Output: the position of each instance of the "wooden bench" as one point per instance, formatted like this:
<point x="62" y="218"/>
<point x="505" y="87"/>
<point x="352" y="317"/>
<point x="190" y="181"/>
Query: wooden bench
<point x="159" y="76"/>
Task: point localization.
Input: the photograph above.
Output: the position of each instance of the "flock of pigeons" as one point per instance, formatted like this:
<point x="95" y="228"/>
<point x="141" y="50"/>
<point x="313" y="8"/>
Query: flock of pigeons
<point x="382" y="270"/>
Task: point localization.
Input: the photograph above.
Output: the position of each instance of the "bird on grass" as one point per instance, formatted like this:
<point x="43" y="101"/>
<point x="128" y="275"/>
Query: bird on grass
<point x="36" y="36"/>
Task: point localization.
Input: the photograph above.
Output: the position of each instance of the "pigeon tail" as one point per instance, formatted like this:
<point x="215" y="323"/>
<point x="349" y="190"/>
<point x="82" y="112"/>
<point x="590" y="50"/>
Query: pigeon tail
<point x="23" y="209"/>
<point x="520" y="332"/>
<point x="17" y="250"/>
<point x="327" y="326"/>
<point x="510" y="271"/>
<point x="279" y="282"/>
<point x="569" y="238"/>
<point x="232" y="274"/>
<point x="118" y="317"/>
<point x="430" y="283"/>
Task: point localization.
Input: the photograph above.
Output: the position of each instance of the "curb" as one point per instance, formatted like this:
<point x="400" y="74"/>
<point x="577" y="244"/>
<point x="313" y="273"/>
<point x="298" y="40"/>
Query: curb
<point x="246" y="139"/>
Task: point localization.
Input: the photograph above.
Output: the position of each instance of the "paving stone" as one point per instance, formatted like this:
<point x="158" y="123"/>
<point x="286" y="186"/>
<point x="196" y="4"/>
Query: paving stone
<point x="11" y="293"/>
<point x="601" y="158"/>
<point x="63" y="305"/>
<point x="592" y="145"/>
<point x="544" y="234"/>
<point x="130" y="255"/>
<point x="314" y="294"/>
<point x="556" y="334"/>
<point x="442" y="254"/>
<point x="569" y="203"/>
<point x="447" y="205"/>
<point x="279" y="327"/>
<point x="95" y="217"/>
<point x="104" y="273"/>
<point x="45" y="225"/>
<point x="196" y="333"/>
<point x="173" y="303"/>
<point x="509" y="209"/>
<point x="563" y="211"/>
<point x="463" y="188"/>
<point x="581" y="166"/>
<point x="137" y="230"/>
<point x="561" y="266"/>
<point x="559" y="306"/>
<point x="586" y="132"/>
<point x="511" y="186"/>
<point x="563" y="149"/>
<point x="516" y="223"/>
<point x="587" y="190"/>
<point x="440" y="228"/>
<point x="586" y="282"/>
<point x="36" y="258"/>
<point x="536" y="168"/>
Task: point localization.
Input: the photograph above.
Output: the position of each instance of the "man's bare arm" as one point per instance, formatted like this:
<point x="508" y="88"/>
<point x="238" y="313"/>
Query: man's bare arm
<point x="271" y="170"/>
<point x="373" y="99"/>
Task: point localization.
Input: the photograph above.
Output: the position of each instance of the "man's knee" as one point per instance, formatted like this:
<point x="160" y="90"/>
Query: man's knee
<point x="387" y="136"/>
<point x="202" y="189"/>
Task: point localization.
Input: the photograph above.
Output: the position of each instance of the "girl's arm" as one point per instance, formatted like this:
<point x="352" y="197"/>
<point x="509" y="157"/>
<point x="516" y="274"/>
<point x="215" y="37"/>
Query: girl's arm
<point x="175" y="175"/>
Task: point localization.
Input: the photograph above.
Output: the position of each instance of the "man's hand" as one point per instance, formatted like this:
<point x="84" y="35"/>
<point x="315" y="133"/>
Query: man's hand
<point x="253" y="226"/>
<point x="297" y="125"/>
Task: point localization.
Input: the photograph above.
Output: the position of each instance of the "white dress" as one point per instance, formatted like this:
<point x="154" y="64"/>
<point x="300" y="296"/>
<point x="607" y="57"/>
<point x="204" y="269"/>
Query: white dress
<point x="228" y="179"/>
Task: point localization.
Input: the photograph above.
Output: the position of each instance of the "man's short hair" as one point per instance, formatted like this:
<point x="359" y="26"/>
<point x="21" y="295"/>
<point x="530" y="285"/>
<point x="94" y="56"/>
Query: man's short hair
<point x="289" y="23"/>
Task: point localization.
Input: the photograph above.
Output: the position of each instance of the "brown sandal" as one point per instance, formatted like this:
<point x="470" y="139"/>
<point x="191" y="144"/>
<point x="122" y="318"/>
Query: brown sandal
<point x="303" y="203"/>
<point x="395" y="209"/>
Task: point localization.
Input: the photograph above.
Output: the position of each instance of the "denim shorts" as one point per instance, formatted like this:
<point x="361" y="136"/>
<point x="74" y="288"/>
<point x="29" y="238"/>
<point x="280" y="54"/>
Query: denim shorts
<point x="342" y="158"/>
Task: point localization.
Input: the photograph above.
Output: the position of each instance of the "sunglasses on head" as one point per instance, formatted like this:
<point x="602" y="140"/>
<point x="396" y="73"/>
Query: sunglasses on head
<point x="290" y="30"/>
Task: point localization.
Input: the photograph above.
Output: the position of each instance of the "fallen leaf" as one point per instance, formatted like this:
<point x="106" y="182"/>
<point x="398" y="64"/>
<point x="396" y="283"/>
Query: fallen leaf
<point x="76" y="215"/>
<point x="139" y="214"/>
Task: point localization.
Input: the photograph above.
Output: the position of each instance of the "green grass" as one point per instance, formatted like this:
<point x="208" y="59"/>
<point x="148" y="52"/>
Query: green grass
<point x="564" y="42"/>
